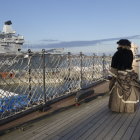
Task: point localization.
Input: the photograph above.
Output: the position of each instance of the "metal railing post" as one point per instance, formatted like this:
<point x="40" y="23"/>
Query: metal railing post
<point x="69" y="63"/>
<point x="81" y="71"/>
<point x="43" y="66"/>
<point x="29" y="72"/>
<point x="93" y="65"/>
<point x="69" y="70"/>
<point x="103" y="58"/>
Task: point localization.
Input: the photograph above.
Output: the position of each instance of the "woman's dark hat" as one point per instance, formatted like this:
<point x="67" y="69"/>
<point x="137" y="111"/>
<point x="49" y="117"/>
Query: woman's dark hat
<point x="124" y="42"/>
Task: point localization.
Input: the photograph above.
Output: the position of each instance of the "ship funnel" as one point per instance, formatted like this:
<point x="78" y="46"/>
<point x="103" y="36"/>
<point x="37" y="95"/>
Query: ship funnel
<point x="8" y="22"/>
<point x="7" y="28"/>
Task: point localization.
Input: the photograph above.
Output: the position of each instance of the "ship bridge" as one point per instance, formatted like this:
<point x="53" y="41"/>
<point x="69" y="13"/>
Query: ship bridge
<point x="9" y="41"/>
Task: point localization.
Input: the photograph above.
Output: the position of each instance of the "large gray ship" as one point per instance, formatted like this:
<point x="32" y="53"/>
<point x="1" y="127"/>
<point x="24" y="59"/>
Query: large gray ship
<point x="10" y="42"/>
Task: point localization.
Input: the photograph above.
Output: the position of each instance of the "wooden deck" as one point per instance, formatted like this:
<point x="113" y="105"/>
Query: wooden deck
<point x="89" y="121"/>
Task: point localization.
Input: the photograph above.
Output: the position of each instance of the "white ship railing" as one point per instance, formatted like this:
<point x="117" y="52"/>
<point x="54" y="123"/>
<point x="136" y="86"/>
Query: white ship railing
<point x="32" y="79"/>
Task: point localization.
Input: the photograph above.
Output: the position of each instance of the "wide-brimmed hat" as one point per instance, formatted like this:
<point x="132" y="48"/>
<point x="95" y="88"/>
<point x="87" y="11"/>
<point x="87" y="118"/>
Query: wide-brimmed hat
<point x="124" y="42"/>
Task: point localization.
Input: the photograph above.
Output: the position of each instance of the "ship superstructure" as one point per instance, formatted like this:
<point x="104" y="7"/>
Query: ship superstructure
<point x="9" y="41"/>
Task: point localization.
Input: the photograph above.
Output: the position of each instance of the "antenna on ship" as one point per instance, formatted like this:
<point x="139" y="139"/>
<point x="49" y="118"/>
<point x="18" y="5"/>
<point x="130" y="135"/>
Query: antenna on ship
<point x="7" y="28"/>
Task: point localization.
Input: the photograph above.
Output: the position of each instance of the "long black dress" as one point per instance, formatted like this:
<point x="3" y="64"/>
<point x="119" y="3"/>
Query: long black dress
<point x="124" y="86"/>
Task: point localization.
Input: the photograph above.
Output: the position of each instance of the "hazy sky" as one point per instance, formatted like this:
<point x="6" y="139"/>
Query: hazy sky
<point x="55" y="21"/>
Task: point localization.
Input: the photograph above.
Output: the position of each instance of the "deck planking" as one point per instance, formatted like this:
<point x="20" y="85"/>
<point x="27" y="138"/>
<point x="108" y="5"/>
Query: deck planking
<point x="90" y="121"/>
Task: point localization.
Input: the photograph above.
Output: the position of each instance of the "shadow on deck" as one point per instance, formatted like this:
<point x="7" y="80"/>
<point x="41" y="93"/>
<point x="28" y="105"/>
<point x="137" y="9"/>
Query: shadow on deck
<point x="92" y="121"/>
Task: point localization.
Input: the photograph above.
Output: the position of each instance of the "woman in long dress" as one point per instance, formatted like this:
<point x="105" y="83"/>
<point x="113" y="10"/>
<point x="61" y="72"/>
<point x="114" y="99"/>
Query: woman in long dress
<point x="124" y="85"/>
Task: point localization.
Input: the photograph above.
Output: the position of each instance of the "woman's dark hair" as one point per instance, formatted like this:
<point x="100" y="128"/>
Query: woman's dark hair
<point x="124" y="42"/>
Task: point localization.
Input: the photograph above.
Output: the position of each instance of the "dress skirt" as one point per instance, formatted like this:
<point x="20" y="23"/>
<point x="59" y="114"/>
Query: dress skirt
<point x="124" y="92"/>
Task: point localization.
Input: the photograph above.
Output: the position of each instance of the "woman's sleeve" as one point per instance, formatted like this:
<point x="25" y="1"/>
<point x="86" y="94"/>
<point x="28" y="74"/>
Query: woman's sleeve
<point x="131" y="59"/>
<point x="114" y="62"/>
